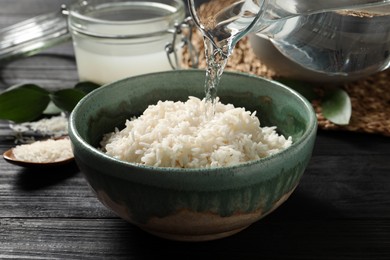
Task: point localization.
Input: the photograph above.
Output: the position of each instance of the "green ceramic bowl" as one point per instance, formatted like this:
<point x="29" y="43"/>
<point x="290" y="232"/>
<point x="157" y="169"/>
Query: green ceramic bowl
<point x="192" y="204"/>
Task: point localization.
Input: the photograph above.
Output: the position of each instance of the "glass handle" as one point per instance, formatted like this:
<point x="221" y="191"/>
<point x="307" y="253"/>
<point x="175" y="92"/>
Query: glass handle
<point x="34" y="35"/>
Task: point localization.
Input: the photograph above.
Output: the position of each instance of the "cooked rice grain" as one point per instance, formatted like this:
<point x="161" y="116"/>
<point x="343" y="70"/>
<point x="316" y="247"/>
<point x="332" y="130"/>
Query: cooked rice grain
<point x="178" y="134"/>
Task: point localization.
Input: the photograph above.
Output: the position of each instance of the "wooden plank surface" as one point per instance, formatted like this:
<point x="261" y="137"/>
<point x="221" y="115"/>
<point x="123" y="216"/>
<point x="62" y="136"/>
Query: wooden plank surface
<point x="268" y="239"/>
<point x="340" y="210"/>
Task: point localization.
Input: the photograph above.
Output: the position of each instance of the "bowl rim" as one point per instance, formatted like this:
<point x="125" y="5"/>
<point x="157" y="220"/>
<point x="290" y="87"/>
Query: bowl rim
<point x="76" y="137"/>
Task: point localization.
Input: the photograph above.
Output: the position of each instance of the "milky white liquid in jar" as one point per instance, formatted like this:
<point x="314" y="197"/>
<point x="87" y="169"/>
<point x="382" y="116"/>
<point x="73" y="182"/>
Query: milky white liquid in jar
<point x="117" y="39"/>
<point x="102" y="62"/>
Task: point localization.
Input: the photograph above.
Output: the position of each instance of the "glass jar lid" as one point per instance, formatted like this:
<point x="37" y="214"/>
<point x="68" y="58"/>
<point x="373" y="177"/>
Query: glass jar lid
<point x="33" y="35"/>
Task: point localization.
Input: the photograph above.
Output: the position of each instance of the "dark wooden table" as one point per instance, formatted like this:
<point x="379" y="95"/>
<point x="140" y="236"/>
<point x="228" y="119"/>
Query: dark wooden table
<point x="340" y="210"/>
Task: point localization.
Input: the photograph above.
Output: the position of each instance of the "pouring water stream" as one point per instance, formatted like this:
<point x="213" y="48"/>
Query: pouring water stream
<point x="224" y="26"/>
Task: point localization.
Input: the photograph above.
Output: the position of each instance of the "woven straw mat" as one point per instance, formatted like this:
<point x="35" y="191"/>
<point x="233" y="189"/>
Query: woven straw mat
<point x="370" y="97"/>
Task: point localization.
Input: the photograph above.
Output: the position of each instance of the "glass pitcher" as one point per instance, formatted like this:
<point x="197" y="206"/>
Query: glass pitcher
<point x="332" y="37"/>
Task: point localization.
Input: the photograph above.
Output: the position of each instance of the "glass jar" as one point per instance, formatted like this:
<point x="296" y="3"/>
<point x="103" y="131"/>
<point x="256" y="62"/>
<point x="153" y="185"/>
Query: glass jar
<point x="112" y="39"/>
<point x="117" y="38"/>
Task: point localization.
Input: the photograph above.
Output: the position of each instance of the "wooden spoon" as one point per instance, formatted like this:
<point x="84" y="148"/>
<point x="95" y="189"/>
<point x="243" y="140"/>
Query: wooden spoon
<point x="10" y="157"/>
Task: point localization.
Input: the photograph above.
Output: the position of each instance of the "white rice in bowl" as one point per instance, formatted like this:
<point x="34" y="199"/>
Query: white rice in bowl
<point x="178" y="134"/>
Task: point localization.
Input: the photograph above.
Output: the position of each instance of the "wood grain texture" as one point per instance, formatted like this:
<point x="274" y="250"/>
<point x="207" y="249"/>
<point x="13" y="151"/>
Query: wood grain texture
<point x="340" y="210"/>
<point x="268" y="239"/>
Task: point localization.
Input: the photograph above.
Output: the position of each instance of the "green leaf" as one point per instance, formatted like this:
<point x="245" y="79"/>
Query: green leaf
<point x="302" y="88"/>
<point x="67" y="99"/>
<point x="86" y="86"/>
<point x="336" y="107"/>
<point x="21" y="103"/>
